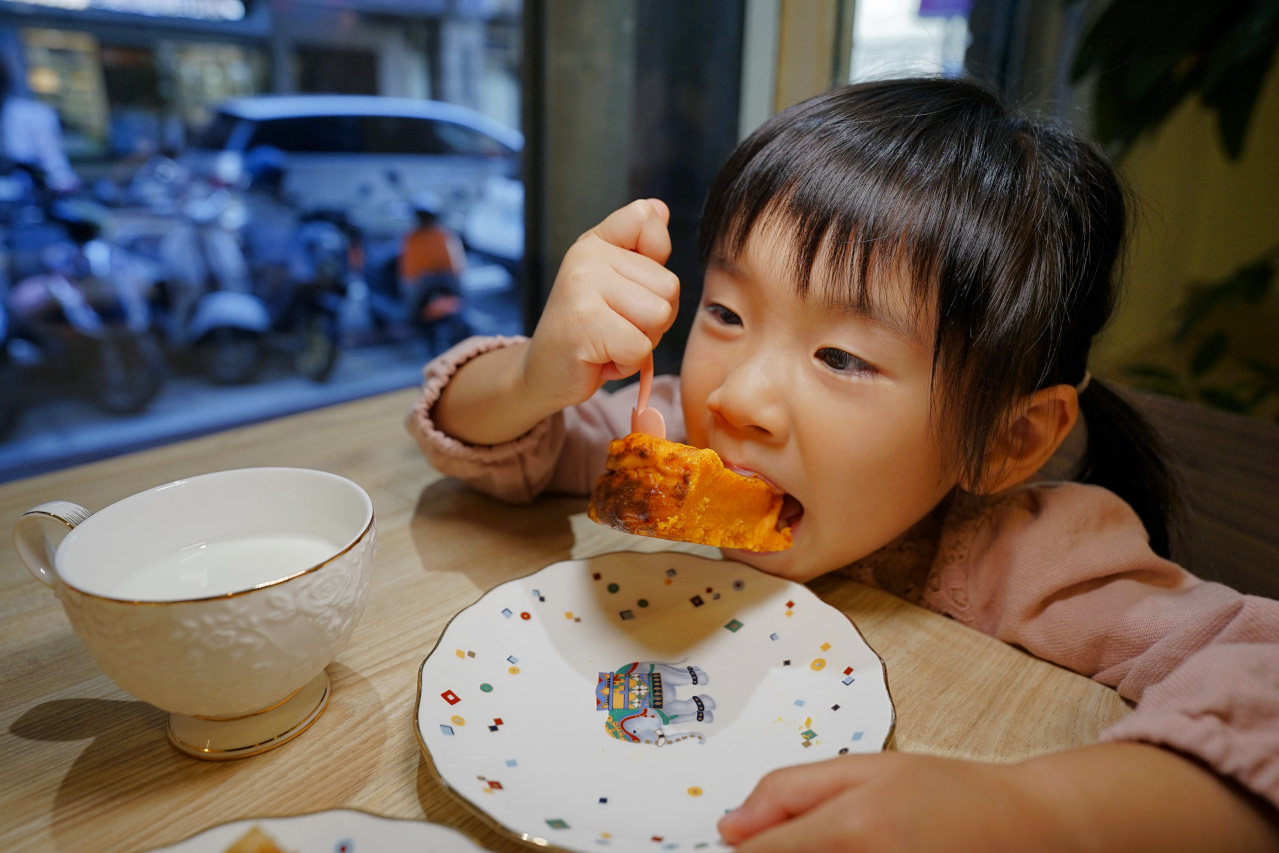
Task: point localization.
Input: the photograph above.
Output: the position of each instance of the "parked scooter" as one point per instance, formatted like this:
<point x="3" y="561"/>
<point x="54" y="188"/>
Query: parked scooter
<point x="86" y="316"/>
<point x="29" y="226"/>
<point x="299" y="263"/>
<point x="204" y="303"/>
<point x="429" y="304"/>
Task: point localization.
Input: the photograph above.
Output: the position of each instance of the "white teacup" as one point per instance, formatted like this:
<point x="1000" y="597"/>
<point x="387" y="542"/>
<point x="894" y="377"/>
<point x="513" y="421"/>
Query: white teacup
<point x="220" y="598"/>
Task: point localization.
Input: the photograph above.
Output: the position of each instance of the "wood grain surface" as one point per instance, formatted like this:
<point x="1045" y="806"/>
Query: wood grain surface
<point x="85" y="766"/>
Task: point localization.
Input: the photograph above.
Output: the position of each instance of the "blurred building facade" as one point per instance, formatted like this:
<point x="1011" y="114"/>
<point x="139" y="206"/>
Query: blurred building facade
<point x="131" y="77"/>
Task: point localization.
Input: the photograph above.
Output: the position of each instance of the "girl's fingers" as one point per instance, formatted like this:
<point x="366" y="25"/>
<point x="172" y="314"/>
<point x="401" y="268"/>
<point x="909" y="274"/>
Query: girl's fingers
<point x="602" y="335"/>
<point x="784" y="794"/>
<point x="606" y="285"/>
<point x="611" y="303"/>
<point x="822" y="829"/>
<point x="649" y="273"/>
<point x="655" y="237"/>
<point x="612" y="371"/>
<point x="620" y="354"/>
<point x="663" y="211"/>
<point x="638" y="227"/>
<point x="644" y="309"/>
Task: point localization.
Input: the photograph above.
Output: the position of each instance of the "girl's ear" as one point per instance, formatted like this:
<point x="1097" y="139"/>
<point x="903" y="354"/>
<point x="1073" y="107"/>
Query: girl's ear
<point x="1025" y="445"/>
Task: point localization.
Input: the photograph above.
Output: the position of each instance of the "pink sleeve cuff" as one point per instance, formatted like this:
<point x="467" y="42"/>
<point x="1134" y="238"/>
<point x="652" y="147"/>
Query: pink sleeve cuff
<point x="515" y="471"/>
<point x="1221" y="706"/>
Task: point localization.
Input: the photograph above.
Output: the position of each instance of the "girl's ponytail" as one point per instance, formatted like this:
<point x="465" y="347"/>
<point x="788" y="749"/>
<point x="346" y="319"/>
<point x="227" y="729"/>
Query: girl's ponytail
<point x="1126" y="456"/>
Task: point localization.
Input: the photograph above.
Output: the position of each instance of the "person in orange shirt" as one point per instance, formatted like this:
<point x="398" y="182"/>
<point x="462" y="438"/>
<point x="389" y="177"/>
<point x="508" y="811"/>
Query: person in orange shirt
<point x="430" y="268"/>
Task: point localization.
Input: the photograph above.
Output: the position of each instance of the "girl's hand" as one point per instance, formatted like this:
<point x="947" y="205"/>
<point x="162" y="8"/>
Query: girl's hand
<point x="1115" y="796"/>
<point x="889" y="802"/>
<point x="611" y="303"/>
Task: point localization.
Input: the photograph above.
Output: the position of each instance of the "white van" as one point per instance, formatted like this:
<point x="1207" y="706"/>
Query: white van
<point x="364" y="150"/>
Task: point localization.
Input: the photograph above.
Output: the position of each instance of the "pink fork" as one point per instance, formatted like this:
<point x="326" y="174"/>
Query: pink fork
<point x="644" y="419"/>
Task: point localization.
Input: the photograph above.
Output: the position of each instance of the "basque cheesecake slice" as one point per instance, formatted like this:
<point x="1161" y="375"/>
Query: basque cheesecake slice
<point x="660" y="488"/>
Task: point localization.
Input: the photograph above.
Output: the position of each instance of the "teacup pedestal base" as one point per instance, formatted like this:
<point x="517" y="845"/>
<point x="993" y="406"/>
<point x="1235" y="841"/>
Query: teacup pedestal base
<point x="240" y="737"/>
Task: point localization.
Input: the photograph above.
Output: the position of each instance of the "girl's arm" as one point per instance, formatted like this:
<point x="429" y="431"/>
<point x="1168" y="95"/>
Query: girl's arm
<point x="564" y="453"/>
<point x="1119" y="796"/>
<point x="611" y="303"/>
<point x="1066" y="573"/>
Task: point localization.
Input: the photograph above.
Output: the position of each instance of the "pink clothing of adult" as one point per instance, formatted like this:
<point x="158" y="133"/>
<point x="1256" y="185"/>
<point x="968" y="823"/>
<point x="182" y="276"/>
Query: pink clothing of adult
<point x="1063" y="570"/>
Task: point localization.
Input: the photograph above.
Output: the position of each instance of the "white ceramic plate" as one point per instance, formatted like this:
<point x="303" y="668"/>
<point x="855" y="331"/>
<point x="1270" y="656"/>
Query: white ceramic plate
<point x="529" y="709"/>
<point x="336" y="831"/>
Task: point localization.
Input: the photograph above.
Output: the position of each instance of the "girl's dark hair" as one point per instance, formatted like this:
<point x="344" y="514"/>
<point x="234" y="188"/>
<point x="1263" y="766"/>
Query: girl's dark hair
<point x="1011" y="229"/>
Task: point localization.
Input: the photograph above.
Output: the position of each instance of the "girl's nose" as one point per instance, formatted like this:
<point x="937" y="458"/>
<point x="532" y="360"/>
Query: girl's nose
<point x="751" y="396"/>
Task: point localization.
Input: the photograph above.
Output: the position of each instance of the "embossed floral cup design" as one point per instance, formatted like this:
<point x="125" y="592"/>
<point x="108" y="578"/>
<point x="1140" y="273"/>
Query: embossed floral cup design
<point x="219" y="598"/>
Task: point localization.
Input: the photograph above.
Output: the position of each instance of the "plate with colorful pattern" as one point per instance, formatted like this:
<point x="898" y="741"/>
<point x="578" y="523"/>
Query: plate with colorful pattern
<point x="333" y="831"/>
<point x="628" y="701"/>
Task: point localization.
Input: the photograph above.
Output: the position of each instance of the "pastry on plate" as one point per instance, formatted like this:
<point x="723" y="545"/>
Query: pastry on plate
<point x="254" y="841"/>
<point x="660" y="488"/>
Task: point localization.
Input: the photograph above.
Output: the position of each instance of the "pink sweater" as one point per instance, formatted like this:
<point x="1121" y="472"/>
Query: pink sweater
<point x="1062" y="570"/>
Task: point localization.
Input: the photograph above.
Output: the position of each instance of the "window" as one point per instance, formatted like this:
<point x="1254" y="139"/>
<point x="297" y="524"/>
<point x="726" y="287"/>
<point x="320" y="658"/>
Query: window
<point x="466" y="141"/>
<point x="310" y="135"/>
<point x="400" y="135"/>
<point x="892" y="38"/>
<point x="209" y="264"/>
<point x="216" y="133"/>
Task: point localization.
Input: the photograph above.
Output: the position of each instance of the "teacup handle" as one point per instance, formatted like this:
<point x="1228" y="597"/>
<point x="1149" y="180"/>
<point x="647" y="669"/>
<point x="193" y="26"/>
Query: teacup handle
<point x="32" y="540"/>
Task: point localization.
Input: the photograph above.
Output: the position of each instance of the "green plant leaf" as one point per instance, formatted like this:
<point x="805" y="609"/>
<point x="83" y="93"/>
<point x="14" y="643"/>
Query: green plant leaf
<point x="1157" y="378"/>
<point x="1198" y="304"/>
<point x="1251" y="283"/>
<point x="1258" y="396"/>
<point x="1234" y="96"/>
<point x="1248" y="284"/>
<point x="1223" y="398"/>
<point x="1110" y="33"/>
<point x="1150" y="55"/>
<point x="1158" y="76"/>
<point x="1252" y="31"/>
<point x="1208" y="354"/>
<point x="1145" y="370"/>
<point x="1267" y="374"/>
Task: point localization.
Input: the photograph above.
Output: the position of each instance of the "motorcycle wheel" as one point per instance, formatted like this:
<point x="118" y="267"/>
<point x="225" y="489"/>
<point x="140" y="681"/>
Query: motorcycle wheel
<point x="319" y="347"/>
<point x="230" y="356"/>
<point x="126" y="374"/>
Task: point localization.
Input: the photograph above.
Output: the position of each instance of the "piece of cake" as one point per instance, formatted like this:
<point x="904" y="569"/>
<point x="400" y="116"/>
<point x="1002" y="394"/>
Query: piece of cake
<point x="659" y="488"/>
<point x="254" y="841"/>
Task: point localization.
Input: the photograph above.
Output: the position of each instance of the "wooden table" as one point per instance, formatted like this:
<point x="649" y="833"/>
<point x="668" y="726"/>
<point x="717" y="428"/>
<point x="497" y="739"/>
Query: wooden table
<point x="84" y="766"/>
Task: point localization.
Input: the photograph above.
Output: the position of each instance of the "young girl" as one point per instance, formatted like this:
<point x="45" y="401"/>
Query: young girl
<point x="902" y="284"/>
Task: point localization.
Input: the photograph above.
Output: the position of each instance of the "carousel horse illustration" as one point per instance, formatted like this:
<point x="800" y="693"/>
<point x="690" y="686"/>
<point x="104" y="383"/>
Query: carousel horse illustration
<point x="642" y="707"/>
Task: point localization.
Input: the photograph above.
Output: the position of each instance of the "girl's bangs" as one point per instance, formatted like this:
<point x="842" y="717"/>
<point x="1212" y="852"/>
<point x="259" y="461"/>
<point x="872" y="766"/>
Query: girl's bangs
<point x="853" y="230"/>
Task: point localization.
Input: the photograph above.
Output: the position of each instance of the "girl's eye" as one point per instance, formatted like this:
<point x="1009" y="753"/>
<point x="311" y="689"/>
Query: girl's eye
<point x="724" y="315"/>
<point x="843" y="362"/>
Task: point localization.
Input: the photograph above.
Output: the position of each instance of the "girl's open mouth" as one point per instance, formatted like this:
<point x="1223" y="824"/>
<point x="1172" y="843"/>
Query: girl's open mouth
<point x="792" y="509"/>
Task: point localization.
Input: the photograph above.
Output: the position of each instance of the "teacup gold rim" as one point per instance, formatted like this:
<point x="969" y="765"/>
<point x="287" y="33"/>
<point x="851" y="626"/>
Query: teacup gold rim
<point x="249" y="750"/>
<point x="272" y="707"/>
<point x="169" y="601"/>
